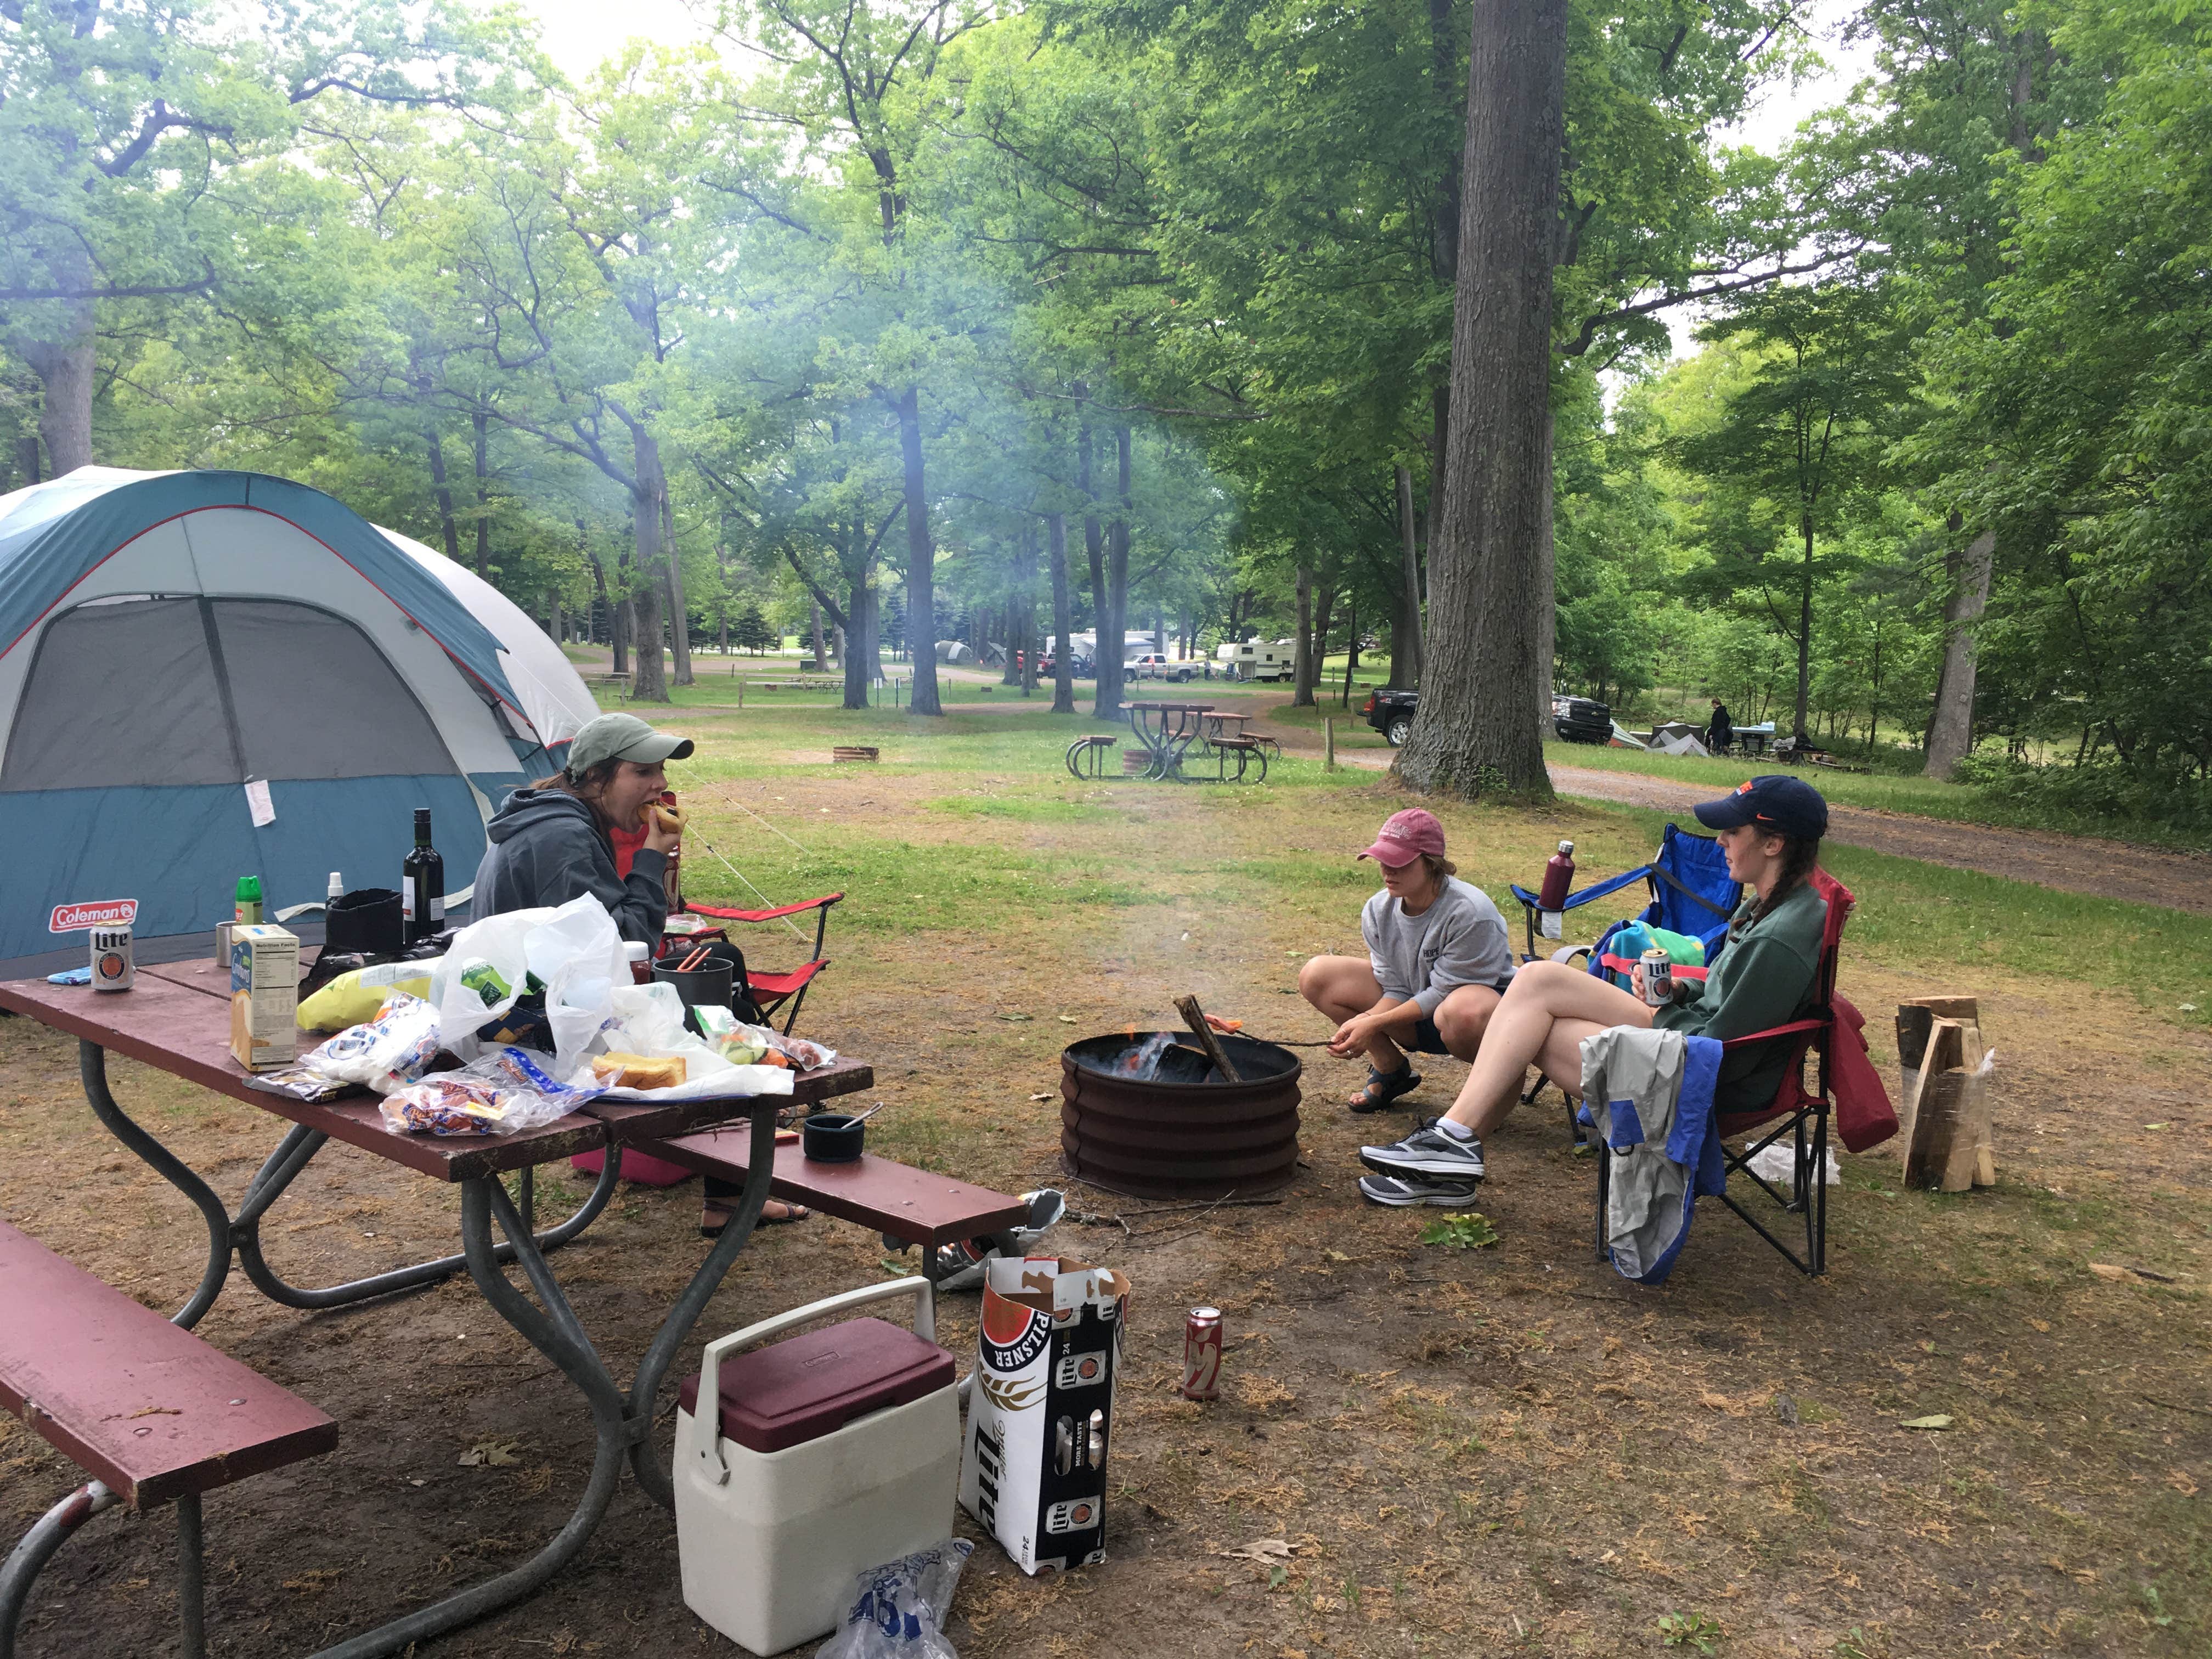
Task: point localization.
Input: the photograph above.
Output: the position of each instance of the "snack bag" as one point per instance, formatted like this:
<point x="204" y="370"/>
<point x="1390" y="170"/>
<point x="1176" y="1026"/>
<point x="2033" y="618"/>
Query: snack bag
<point x="352" y="998"/>
<point x="387" y="1052"/>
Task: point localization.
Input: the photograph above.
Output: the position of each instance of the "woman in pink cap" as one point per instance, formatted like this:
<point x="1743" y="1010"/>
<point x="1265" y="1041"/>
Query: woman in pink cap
<point x="1438" y="960"/>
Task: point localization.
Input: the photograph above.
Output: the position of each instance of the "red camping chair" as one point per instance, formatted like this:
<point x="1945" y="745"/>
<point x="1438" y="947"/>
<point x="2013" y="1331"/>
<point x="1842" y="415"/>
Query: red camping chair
<point x="1795" y="1111"/>
<point x="769" y="991"/>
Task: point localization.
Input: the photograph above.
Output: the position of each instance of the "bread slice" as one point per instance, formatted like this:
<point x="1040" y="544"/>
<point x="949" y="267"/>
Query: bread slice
<point x="639" y="1072"/>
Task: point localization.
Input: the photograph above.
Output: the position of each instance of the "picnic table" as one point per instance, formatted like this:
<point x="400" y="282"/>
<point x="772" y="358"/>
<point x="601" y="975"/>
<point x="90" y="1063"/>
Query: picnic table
<point x="176" y="1019"/>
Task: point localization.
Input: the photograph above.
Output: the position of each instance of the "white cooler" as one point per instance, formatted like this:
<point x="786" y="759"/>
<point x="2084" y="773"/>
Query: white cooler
<point x="839" y="1450"/>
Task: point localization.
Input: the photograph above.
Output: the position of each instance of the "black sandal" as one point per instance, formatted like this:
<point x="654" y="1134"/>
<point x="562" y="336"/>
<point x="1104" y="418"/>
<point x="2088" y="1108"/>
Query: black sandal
<point x="1384" y="1088"/>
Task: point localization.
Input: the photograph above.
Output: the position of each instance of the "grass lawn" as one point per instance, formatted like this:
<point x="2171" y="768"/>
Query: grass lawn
<point x="1503" y="1449"/>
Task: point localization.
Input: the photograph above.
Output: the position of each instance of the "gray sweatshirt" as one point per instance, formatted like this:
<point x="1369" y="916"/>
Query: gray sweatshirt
<point x="545" y="847"/>
<point x="1459" y="939"/>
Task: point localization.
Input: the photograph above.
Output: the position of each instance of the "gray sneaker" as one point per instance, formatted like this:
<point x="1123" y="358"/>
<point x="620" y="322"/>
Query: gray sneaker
<point x="1427" y="1154"/>
<point x="1400" y="1193"/>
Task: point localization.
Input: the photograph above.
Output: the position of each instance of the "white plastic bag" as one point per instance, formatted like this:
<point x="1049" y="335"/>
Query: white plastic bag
<point x="576" y="953"/>
<point x="898" y="1610"/>
<point x="648" y="1019"/>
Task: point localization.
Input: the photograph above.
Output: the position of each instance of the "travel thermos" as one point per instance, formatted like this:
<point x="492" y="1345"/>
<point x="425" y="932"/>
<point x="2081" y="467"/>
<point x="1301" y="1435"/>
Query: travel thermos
<point x="1559" y="878"/>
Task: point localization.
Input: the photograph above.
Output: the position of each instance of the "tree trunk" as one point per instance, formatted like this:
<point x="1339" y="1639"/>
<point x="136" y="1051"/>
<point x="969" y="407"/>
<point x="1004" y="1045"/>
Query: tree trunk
<point x="1406" y="627"/>
<point x="920" y="572"/>
<point x="1951" y="733"/>
<point x="1103" y="707"/>
<point x="1324" y="605"/>
<point x="554" y="624"/>
<point x="26" y="457"/>
<point x="863" y="614"/>
<point x="623" y="626"/>
<point x="649" y="676"/>
<point x="1063" y="649"/>
<point x="1351" y="648"/>
<point x="1304" y="665"/>
<point x="1548" y="602"/>
<point x="1804" y="632"/>
<point x="480" y="451"/>
<point x="1112" y="634"/>
<point x="1025" y="608"/>
<point x="65" y="373"/>
<point x="679" y="609"/>
<point x="814" y="610"/>
<point x="441" y="488"/>
<point x="1474" y="734"/>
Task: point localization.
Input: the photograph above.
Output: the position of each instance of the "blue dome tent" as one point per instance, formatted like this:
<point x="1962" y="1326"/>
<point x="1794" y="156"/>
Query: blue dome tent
<point x="206" y="675"/>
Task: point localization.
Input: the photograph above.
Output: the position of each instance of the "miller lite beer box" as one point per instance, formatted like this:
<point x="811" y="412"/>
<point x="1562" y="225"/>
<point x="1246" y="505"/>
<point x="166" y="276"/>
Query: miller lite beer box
<point x="1040" y="1411"/>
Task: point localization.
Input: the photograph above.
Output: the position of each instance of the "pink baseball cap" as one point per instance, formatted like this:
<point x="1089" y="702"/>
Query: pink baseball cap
<point x="1405" y="836"/>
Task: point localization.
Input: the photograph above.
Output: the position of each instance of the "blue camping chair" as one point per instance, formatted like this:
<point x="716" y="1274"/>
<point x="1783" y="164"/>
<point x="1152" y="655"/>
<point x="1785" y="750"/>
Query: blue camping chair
<point x="1692" y="892"/>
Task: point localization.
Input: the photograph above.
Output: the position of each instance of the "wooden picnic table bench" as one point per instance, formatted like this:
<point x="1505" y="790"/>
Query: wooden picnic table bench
<point x="914" y="1206"/>
<point x="153" y="1413"/>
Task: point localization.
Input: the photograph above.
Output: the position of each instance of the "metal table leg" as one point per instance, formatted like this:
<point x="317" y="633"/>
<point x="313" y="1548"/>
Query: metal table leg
<point x="624" y="1424"/>
<point x="553" y="1330"/>
<point x="242" y="1232"/>
<point x="48" y="1533"/>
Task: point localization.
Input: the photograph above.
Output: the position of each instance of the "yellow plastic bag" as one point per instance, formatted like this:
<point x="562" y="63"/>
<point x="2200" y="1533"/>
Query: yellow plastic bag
<point x="352" y="998"/>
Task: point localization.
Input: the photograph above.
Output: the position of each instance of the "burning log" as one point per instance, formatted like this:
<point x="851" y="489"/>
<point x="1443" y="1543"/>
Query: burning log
<point x="1194" y="1017"/>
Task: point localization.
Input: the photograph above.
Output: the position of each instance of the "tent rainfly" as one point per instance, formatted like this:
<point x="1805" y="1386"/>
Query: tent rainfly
<point x="206" y="675"/>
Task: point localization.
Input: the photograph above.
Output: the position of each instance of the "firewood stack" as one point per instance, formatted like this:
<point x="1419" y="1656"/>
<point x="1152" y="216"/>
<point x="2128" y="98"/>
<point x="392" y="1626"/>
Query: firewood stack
<point x="1944" y="1129"/>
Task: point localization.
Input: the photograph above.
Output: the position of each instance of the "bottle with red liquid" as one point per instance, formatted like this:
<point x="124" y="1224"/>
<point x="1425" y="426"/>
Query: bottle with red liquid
<point x="1558" y="879"/>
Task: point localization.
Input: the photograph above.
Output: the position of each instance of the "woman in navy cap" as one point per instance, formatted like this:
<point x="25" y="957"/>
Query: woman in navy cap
<point x="1771" y="829"/>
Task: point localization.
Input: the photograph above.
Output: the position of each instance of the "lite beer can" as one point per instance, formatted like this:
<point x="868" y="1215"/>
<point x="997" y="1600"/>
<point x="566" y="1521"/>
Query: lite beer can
<point x="1201" y="1354"/>
<point x="1658" y="977"/>
<point x="111" y="967"/>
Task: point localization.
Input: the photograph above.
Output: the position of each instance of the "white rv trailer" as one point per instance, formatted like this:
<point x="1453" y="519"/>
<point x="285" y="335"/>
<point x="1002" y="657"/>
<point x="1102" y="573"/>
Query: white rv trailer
<point x="1259" y="660"/>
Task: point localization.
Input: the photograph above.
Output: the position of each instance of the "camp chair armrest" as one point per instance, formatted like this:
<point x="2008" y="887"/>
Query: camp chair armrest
<point x="1794" y="1028"/>
<point x="1584" y="896"/>
<point x="726" y="912"/>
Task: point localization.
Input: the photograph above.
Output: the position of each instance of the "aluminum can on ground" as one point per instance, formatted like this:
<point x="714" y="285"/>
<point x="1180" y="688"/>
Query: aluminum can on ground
<point x="1201" y="1354"/>
<point x="1658" y="977"/>
<point x="113" y="968"/>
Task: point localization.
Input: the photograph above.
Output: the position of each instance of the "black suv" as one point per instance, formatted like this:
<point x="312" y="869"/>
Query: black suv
<point x="1577" y="719"/>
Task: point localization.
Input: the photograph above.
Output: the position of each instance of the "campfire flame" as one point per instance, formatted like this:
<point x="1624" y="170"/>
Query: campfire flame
<point x="1141" y="1062"/>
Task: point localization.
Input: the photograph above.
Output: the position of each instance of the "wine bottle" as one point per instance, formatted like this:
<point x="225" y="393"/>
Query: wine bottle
<point x="422" y="885"/>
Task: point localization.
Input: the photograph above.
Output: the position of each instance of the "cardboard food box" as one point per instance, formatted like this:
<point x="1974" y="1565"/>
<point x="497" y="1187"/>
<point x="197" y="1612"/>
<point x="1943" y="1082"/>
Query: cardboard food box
<point x="265" y="995"/>
<point x="1040" y="1415"/>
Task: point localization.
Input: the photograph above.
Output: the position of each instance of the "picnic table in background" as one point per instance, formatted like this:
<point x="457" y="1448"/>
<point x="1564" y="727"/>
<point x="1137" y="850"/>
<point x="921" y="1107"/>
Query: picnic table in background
<point x="177" y="1020"/>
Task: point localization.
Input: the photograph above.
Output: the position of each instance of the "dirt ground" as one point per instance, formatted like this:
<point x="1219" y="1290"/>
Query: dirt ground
<point x="1501" y="1451"/>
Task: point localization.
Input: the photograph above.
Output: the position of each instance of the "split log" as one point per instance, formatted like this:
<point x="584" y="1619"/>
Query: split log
<point x="1932" y="1109"/>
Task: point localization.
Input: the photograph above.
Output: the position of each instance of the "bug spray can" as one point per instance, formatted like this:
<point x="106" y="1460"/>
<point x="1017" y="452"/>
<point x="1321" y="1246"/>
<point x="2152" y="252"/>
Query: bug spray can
<point x="1201" y="1354"/>
<point x="113" y="968"/>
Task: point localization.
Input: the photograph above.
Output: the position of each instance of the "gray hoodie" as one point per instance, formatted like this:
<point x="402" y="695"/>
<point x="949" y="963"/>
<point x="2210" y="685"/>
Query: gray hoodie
<point x="545" y="847"/>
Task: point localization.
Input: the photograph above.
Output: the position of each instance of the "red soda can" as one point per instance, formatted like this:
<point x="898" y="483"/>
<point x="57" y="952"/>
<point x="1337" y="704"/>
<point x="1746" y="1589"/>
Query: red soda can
<point x="1201" y="1354"/>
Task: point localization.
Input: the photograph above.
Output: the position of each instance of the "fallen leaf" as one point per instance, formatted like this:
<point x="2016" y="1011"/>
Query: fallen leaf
<point x="2181" y="1483"/>
<point x="1336" y="1256"/>
<point x="490" y="1453"/>
<point x="1015" y="1020"/>
<point x="2040" y="1324"/>
<point x="1938" y="1422"/>
<point x="1067" y="1019"/>
<point x="1046" y="1097"/>
<point x="2158" y="1125"/>
<point x="2106" y="1270"/>
<point x="1260" y="1549"/>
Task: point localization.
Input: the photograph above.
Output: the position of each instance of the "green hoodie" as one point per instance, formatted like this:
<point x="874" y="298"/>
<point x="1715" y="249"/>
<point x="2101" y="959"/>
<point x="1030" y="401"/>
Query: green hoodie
<point x="1766" y="976"/>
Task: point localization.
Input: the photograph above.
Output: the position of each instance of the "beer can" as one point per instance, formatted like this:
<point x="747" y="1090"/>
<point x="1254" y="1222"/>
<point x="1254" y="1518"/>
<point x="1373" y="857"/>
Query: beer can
<point x="111" y="967"/>
<point x="1201" y="1354"/>
<point x="1658" y="977"/>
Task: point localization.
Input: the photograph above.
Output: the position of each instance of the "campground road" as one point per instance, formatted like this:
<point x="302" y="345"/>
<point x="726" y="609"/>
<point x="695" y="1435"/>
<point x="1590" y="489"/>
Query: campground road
<point x="2072" y="864"/>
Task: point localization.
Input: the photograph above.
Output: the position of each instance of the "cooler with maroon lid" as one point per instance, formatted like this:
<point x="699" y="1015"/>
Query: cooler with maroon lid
<point x="1041" y="1408"/>
<point x="830" y="1453"/>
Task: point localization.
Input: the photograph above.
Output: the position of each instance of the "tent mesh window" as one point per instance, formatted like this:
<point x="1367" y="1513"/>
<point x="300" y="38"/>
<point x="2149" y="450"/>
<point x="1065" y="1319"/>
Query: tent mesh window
<point x="183" y="691"/>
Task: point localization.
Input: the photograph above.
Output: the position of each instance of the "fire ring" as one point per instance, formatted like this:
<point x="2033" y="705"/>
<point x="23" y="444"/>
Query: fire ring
<point x="1188" y="1134"/>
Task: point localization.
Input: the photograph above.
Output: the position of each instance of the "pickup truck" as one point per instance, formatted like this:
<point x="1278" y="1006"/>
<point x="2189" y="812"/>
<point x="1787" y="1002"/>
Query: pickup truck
<point x="1577" y="719"/>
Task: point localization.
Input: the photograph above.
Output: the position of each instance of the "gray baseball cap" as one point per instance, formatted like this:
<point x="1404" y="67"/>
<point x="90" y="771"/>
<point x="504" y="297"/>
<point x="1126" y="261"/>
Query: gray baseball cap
<point x="623" y="737"/>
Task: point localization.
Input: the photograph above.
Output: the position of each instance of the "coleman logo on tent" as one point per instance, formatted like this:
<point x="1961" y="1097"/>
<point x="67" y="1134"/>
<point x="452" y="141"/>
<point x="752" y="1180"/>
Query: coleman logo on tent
<point x="100" y="913"/>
